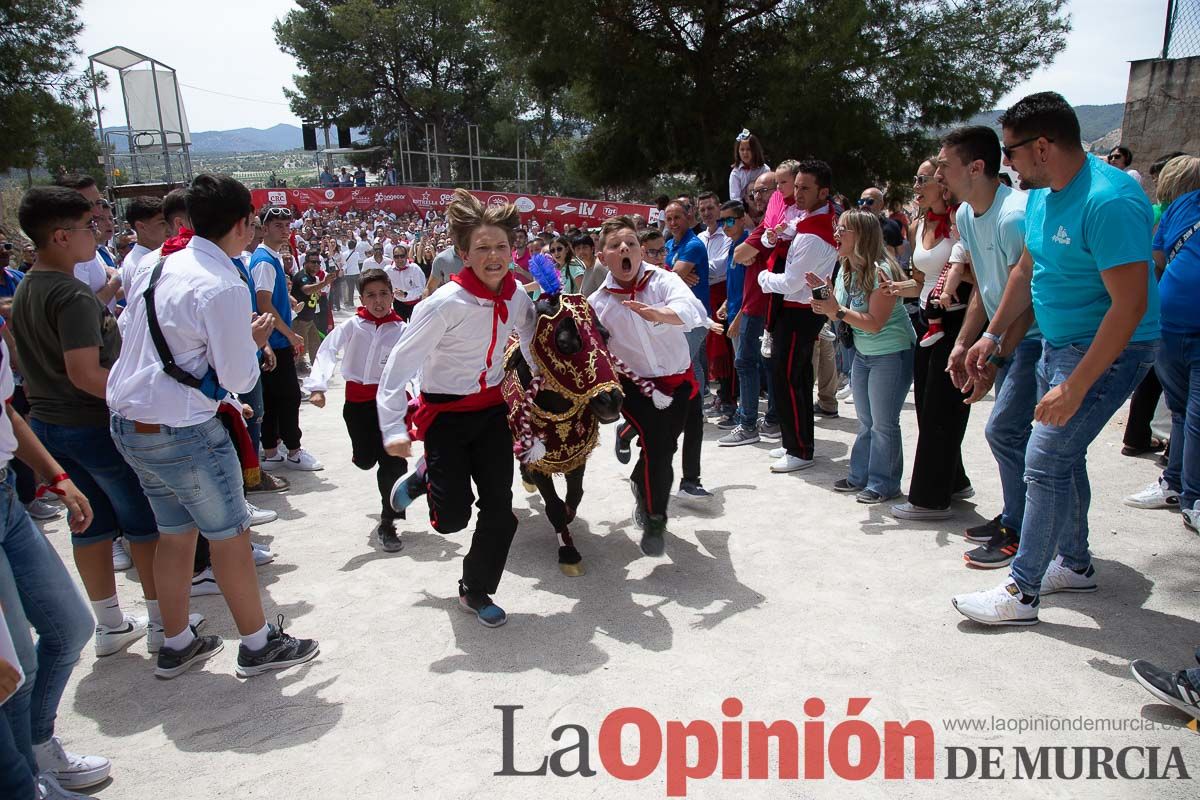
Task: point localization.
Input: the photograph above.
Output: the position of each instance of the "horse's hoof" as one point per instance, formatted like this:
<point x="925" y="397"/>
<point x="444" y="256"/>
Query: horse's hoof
<point x="529" y="487"/>
<point x="572" y="570"/>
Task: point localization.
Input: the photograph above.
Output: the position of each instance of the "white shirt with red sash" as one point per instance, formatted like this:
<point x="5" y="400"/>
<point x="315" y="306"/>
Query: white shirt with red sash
<point x="813" y="250"/>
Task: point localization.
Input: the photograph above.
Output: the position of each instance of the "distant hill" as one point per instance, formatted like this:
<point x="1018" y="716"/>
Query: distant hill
<point x="247" y="140"/>
<point x="1094" y="121"/>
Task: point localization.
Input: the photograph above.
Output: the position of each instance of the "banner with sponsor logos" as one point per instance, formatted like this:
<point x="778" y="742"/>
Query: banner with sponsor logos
<point x="406" y="199"/>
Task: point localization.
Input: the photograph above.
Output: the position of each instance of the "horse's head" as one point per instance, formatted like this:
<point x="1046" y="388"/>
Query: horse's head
<point x="569" y="346"/>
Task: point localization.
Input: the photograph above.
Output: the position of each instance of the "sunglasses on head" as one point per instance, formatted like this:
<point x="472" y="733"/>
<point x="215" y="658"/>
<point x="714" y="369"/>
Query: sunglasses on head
<point x="278" y="211"/>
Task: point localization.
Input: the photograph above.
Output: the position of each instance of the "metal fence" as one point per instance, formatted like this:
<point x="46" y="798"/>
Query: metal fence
<point x="1182" y="36"/>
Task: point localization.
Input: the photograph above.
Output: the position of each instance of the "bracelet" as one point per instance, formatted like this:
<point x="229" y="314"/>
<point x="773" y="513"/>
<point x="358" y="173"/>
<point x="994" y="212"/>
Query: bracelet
<point x="52" y="486"/>
<point x="991" y="337"/>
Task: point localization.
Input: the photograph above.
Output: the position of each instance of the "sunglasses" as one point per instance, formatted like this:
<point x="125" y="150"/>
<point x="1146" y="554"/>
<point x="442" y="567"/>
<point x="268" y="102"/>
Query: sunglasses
<point x="1008" y="151"/>
<point x="863" y="202"/>
<point x="558" y="250"/>
<point x="278" y="211"/>
<point x="921" y="180"/>
<point x="728" y="222"/>
<point x="839" y="230"/>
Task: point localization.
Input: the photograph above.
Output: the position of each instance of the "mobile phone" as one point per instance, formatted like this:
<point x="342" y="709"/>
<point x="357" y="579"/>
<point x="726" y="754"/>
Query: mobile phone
<point x="821" y="292"/>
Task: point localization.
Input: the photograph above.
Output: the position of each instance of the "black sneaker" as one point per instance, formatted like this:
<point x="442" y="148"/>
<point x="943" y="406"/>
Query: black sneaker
<point x="727" y="423"/>
<point x="846" y="487"/>
<point x="982" y="534"/>
<point x="280" y="652"/>
<point x="488" y="613"/>
<point x="389" y="540"/>
<point x="173" y="663"/>
<point x="639" y="505"/>
<point x="692" y="491"/>
<point x="870" y="497"/>
<point x="625" y="436"/>
<point x="652" y="543"/>
<point x="998" y="552"/>
<point x="820" y="412"/>
<point x="1170" y="687"/>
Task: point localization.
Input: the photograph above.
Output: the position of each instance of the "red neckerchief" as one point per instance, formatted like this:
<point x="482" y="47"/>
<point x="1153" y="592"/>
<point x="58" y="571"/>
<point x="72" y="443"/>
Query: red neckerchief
<point x="632" y="291"/>
<point x="178" y="241"/>
<point x="467" y="279"/>
<point x="941" y="222"/>
<point x="391" y="316"/>
<point x="789" y="201"/>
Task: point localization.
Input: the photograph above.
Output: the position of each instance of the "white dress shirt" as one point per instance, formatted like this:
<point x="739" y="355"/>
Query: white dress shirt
<point x="8" y="439"/>
<point x="366" y="348"/>
<point x="370" y="262"/>
<point x="807" y="253"/>
<point x="204" y="312"/>
<point x="129" y="266"/>
<point x="408" y="279"/>
<point x="650" y="349"/>
<point x="451" y="341"/>
<point x="718" y="253"/>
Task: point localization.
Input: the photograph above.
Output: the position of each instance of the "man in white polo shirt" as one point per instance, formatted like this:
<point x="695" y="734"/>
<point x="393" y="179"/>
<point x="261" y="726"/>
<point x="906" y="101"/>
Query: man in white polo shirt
<point x="164" y="423"/>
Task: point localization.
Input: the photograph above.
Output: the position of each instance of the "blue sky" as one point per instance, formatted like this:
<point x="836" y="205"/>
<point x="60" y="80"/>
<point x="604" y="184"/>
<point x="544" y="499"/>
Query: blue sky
<point x="233" y="74"/>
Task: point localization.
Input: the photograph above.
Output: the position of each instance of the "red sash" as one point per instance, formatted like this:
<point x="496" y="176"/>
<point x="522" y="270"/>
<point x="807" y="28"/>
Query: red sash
<point x="423" y="413"/>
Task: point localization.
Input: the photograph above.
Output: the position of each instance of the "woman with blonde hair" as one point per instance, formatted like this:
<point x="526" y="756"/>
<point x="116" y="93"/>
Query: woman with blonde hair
<point x="456" y="340"/>
<point x="883" y="360"/>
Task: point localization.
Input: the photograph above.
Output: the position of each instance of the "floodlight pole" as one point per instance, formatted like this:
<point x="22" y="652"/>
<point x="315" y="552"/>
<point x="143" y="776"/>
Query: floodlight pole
<point x="162" y="133"/>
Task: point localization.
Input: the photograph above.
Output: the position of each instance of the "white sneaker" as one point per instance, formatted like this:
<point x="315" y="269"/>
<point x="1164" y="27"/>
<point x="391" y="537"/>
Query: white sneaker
<point x="1156" y="495"/>
<point x="112" y="640"/>
<point x="40" y="510"/>
<point x="121" y="559"/>
<point x="270" y="463"/>
<point x="1191" y="518"/>
<point x="999" y="606"/>
<point x="70" y="770"/>
<point x="204" y="583"/>
<point x="47" y="788"/>
<point x="910" y="511"/>
<point x="777" y="452"/>
<point x="262" y="554"/>
<point x="790" y="463"/>
<point x="260" y="516"/>
<point x="1060" y="578"/>
<point x="303" y="461"/>
<point x="155" y="636"/>
<point x="964" y="494"/>
<point x="845" y="392"/>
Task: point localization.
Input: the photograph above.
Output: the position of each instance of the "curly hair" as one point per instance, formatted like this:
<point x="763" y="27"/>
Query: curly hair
<point x="465" y="214"/>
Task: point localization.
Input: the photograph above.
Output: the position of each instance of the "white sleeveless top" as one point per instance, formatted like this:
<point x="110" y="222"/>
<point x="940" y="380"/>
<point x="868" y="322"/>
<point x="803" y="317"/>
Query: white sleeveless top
<point x="929" y="262"/>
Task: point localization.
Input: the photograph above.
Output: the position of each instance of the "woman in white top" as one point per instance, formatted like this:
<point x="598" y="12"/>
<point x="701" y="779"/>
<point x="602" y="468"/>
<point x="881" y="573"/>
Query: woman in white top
<point x="748" y="164"/>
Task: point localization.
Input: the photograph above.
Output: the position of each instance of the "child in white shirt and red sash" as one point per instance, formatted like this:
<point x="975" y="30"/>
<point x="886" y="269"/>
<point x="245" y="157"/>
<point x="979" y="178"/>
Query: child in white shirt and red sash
<point x="456" y="340"/>
<point x="646" y="311"/>
<point x="366" y="340"/>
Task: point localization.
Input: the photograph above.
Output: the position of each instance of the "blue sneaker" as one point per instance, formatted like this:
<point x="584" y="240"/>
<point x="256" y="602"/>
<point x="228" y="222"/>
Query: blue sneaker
<point x="409" y="487"/>
<point x="481" y="605"/>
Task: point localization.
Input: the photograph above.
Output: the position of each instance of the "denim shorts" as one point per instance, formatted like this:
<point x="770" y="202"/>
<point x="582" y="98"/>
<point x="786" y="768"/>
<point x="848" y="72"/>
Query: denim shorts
<point x="87" y="454"/>
<point x="191" y="476"/>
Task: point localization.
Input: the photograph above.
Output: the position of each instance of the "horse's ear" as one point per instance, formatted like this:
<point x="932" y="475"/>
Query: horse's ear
<point x="515" y="359"/>
<point x="547" y="305"/>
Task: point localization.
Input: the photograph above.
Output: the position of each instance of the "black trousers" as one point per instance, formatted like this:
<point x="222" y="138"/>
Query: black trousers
<point x="1141" y="411"/>
<point x="658" y="432"/>
<point x="366" y="443"/>
<point x="466" y="446"/>
<point x="693" y="438"/>
<point x="941" y="423"/>
<point x="281" y="402"/>
<point x="795" y="334"/>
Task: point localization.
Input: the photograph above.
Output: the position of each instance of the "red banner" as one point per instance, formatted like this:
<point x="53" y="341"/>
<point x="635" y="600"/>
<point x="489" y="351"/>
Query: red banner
<point x="406" y="199"/>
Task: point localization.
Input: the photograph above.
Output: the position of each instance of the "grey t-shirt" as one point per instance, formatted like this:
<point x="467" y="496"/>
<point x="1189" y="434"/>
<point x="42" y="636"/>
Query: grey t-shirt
<point x="445" y="264"/>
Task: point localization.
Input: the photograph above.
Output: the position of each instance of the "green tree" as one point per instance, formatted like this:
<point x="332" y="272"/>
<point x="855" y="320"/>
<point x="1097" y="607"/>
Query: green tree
<point x="382" y="63"/>
<point x="666" y="84"/>
<point x="44" y="120"/>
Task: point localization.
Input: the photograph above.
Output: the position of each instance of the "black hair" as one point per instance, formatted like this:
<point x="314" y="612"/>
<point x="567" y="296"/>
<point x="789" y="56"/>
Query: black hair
<point x="1043" y="114"/>
<point x="45" y="209"/>
<point x="661" y="201"/>
<point x="976" y="143"/>
<point x="1125" y="152"/>
<point x="1161" y="162"/>
<point x="142" y="208"/>
<point x="371" y="276"/>
<point x="215" y="203"/>
<point x="174" y="203"/>
<point x="757" y="159"/>
<point x="582" y="240"/>
<point x="819" y="170"/>
<point x="707" y="196"/>
<point x="650" y="233"/>
<point x="736" y="206"/>
<point x="75" y="181"/>
<point x="1005" y="179"/>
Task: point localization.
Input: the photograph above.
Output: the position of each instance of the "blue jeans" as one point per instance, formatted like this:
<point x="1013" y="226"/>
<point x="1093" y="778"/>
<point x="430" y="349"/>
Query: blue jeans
<point x="748" y="362"/>
<point x="1008" y="428"/>
<point x="254" y="399"/>
<point x="35" y="590"/>
<point x="1057" y="490"/>
<point x="118" y="503"/>
<point x="1178" y="369"/>
<point x="191" y="475"/>
<point x="879" y="384"/>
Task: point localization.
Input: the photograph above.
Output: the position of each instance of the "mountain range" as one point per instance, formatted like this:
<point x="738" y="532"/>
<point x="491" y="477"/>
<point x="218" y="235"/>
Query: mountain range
<point x="1094" y="121"/>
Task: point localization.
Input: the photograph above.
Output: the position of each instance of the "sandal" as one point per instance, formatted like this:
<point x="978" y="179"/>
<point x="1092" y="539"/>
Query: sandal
<point x="1156" y="445"/>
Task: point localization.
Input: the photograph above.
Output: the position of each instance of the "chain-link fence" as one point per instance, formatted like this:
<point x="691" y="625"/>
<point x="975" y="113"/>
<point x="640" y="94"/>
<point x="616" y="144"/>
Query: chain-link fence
<point x="1182" y="37"/>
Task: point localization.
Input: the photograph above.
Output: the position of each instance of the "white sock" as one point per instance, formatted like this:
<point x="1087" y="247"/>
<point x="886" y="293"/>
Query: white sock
<point x="108" y="612"/>
<point x="153" y="612"/>
<point x="180" y="640"/>
<point x="257" y="640"/>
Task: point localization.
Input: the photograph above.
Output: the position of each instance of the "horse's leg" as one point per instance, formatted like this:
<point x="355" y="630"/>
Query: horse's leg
<point x="569" y="560"/>
<point x="527" y="481"/>
<point x="574" y="491"/>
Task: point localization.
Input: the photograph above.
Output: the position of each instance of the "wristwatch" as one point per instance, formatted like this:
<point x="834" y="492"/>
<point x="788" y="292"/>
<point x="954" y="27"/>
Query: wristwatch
<point x="841" y="314"/>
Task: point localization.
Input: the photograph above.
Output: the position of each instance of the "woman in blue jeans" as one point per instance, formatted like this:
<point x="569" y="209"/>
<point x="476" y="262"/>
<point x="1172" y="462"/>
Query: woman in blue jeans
<point x="1177" y="260"/>
<point x="883" y="361"/>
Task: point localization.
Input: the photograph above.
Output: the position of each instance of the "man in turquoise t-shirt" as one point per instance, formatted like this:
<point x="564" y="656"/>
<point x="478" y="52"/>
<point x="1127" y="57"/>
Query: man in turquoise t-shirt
<point x="1086" y="272"/>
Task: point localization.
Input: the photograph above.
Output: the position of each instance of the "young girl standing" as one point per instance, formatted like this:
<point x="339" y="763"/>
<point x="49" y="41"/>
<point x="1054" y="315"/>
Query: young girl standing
<point x="456" y="340"/>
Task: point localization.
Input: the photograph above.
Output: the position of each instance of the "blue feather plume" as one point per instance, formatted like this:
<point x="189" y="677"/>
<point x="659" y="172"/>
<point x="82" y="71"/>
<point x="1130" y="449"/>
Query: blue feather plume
<point x="545" y="272"/>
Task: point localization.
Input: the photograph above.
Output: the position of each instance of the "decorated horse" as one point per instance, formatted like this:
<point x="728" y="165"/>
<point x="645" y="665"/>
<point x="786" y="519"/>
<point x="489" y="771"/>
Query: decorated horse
<point x="555" y="415"/>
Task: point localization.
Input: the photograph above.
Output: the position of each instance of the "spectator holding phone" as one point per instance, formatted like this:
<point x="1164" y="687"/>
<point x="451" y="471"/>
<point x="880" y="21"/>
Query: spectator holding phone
<point x="883" y="360"/>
